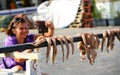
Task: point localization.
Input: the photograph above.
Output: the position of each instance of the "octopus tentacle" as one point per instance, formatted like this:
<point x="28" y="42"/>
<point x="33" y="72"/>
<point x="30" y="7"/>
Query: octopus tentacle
<point x="117" y="32"/>
<point x="48" y="48"/>
<point x="105" y="33"/>
<point x="71" y="41"/>
<point x="67" y="45"/>
<point x="53" y="50"/>
<point x="112" y="40"/>
<point x="82" y="49"/>
<point x="87" y="46"/>
<point x="61" y="42"/>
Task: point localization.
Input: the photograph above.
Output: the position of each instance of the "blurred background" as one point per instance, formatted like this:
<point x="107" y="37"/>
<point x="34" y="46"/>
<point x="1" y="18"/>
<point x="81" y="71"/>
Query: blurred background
<point x="63" y="13"/>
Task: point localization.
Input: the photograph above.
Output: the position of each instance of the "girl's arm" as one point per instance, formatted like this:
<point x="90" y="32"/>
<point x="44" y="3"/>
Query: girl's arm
<point x="50" y="32"/>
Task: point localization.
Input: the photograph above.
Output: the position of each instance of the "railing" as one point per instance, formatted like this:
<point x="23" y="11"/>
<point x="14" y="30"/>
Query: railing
<point x="9" y="52"/>
<point x="29" y="64"/>
<point x="30" y="46"/>
<point x="26" y="10"/>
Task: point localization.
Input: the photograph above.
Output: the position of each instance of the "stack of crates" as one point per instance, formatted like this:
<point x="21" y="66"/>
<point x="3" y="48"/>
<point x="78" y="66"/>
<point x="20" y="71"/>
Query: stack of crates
<point x="87" y="15"/>
<point x="78" y="19"/>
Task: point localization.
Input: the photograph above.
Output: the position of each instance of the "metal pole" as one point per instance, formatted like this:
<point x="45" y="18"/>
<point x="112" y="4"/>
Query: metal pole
<point x="19" y="47"/>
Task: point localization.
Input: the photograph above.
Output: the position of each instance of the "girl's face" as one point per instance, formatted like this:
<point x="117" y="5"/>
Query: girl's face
<point x="21" y="30"/>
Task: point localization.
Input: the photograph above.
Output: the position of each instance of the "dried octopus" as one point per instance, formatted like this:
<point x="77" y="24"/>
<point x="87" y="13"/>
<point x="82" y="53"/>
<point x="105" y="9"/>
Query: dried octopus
<point x="66" y="40"/>
<point x="110" y="36"/>
<point x="62" y="40"/>
<point x="52" y="47"/>
<point x="37" y="42"/>
<point x="89" y="43"/>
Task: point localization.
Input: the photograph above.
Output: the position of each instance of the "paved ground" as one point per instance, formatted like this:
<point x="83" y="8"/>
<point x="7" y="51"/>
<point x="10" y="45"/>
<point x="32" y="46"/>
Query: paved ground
<point x="105" y="64"/>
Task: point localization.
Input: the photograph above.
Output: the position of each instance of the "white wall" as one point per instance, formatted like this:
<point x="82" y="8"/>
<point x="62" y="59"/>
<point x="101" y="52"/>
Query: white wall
<point x="108" y="10"/>
<point x="117" y="7"/>
<point x="104" y="8"/>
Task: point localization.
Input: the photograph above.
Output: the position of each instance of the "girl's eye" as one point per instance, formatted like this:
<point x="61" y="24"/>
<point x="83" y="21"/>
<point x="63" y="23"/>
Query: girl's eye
<point x="24" y="28"/>
<point x="21" y="28"/>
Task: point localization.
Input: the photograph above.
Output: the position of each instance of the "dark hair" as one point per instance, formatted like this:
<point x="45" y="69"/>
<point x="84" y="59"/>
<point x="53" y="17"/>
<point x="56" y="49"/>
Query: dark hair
<point x="13" y="24"/>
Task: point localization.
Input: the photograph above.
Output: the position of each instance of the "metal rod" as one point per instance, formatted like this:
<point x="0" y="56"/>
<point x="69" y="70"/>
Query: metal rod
<point x="19" y="47"/>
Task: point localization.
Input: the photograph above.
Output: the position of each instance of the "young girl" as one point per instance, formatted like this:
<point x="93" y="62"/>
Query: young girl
<point x="18" y="34"/>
